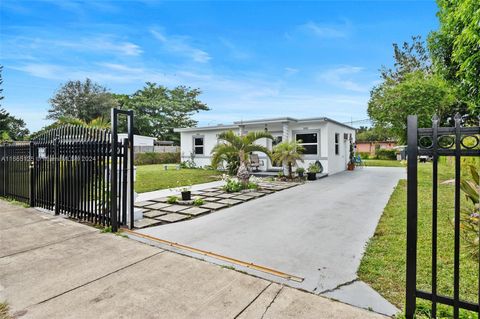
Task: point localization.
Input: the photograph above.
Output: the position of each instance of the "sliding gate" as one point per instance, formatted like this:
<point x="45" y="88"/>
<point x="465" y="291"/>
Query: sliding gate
<point x="84" y="173"/>
<point x="457" y="142"/>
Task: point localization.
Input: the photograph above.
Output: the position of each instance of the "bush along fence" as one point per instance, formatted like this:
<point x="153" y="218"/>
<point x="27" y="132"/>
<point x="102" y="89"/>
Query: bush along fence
<point x="84" y="173"/>
<point x="457" y="142"/>
<point x="157" y="158"/>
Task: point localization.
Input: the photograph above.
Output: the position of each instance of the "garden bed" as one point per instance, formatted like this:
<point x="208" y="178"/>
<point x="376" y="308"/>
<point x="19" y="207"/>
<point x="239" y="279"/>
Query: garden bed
<point x="159" y="211"/>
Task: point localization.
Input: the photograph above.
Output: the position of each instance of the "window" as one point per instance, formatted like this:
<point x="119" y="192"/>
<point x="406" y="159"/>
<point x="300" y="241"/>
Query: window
<point x="309" y="141"/>
<point x="337" y="144"/>
<point x="198" y="145"/>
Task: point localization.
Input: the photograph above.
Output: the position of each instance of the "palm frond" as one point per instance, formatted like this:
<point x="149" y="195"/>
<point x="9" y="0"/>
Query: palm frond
<point x="256" y="135"/>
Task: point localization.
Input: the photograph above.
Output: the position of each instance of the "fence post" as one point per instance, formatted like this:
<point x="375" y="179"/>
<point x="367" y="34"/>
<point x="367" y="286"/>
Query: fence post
<point x="131" y="174"/>
<point x="114" y="172"/>
<point x="412" y="152"/>
<point x="32" y="175"/>
<point x="57" y="177"/>
<point x="4" y="164"/>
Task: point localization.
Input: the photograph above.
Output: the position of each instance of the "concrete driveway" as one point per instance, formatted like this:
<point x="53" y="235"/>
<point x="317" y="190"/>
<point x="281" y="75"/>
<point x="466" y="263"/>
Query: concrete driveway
<point x="317" y="231"/>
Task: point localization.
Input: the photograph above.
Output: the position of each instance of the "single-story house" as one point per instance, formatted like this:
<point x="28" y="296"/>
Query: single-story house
<point x="324" y="140"/>
<point x="372" y="146"/>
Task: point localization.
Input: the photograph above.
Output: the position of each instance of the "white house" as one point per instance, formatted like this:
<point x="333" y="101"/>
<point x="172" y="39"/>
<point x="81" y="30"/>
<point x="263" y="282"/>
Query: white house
<point x="324" y="140"/>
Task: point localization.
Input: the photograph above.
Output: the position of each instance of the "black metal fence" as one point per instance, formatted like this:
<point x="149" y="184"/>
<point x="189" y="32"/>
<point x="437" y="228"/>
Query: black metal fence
<point x="84" y="173"/>
<point x="435" y="142"/>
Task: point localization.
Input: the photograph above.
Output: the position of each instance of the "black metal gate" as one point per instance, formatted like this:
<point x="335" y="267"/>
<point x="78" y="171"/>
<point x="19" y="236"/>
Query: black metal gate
<point x="435" y="142"/>
<point x="84" y="173"/>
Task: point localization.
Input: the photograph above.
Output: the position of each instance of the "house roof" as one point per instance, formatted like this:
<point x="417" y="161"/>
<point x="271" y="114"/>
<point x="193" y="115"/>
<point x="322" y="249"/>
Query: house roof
<point x="237" y="124"/>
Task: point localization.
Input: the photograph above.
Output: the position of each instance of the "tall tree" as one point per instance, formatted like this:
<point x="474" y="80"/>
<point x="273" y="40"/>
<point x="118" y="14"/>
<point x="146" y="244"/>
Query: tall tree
<point x="239" y="146"/>
<point x="419" y="93"/>
<point x="455" y="48"/>
<point x="1" y="85"/>
<point x="158" y="110"/>
<point x="82" y="100"/>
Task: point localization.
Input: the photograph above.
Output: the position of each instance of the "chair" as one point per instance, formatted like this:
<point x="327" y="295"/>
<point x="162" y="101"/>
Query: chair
<point x="255" y="162"/>
<point x="358" y="161"/>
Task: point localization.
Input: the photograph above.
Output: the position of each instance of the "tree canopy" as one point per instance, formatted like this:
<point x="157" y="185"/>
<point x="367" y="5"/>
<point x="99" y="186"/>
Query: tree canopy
<point x="158" y="109"/>
<point x="85" y="101"/>
<point x="455" y="48"/>
<point x="419" y="93"/>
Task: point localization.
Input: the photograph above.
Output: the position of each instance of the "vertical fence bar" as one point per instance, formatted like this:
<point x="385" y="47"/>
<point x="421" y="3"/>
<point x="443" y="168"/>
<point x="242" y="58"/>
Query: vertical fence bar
<point x="56" y="186"/>
<point x="456" y="259"/>
<point x="412" y="151"/>
<point x="114" y="173"/>
<point x="434" y="213"/>
<point x="125" y="182"/>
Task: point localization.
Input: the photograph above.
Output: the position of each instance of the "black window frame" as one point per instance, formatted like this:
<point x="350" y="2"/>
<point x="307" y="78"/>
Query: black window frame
<point x="308" y="144"/>
<point x="337" y="143"/>
<point x="195" y="145"/>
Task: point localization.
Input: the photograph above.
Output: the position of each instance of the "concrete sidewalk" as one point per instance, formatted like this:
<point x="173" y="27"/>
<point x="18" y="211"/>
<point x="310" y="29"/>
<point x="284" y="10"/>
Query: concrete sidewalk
<point x="51" y="267"/>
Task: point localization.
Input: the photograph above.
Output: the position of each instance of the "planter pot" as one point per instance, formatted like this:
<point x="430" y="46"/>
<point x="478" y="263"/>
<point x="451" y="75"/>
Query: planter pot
<point x="186" y="195"/>
<point x="350" y="166"/>
<point x="311" y="176"/>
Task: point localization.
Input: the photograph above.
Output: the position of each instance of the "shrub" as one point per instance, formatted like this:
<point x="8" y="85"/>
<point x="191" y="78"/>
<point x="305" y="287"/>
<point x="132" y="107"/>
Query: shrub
<point x="313" y="168"/>
<point x="364" y="155"/>
<point x="157" y="158"/>
<point x="386" y="154"/>
<point x="198" y="202"/>
<point x="172" y="199"/>
<point x="233" y="186"/>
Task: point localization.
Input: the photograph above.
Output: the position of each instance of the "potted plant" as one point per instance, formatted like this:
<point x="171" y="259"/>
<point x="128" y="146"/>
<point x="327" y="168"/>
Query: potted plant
<point x="313" y="169"/>
<point x="300" y="171"/>
<point x="184" y="190"/>
<point x="351" y="161"/>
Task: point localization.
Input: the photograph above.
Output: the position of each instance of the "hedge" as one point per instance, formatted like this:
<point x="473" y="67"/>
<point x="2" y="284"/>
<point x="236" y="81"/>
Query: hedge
<point x="157" y="158"/>
<point x="386" y="154"/>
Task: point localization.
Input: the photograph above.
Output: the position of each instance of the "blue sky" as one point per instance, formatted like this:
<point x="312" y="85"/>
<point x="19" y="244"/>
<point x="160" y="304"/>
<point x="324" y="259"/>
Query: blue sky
<point x="251" y="59"/>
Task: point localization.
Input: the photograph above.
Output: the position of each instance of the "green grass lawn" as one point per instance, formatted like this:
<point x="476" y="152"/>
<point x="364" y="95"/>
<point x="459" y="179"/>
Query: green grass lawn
<point x="383" y="265"/>
<point x="154" y="177"/>
<point x="387" y="163"/>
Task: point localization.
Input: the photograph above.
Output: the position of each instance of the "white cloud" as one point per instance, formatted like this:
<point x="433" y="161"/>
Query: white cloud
<point x="180" y="45"/>
<point x="326" y="30"/>
<point x="290" y="71"/>
<point x="342" y="77"/>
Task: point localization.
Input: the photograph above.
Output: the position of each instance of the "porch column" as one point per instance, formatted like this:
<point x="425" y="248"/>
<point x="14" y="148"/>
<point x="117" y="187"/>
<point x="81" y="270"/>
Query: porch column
<point x="285" y="131"/>
<point x="241" y="129"/>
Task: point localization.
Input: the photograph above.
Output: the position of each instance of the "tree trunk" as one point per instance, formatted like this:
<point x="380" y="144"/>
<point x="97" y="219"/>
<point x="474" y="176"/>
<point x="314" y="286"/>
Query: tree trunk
<point x="243" y="175"/>
<point x="290" y="170"/>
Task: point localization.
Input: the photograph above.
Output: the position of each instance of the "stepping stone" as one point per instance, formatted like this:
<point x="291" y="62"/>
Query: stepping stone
<point x="211" y="199"/>
<point x="243" y="197"/>
<point x="174" y="208"/>
<point x="226" y="195"/>
<point x="212" y="189"/>
<point x="154" y="213"/>
<point x="230" y="201"/>
<point x="212" y="194"/>
<point x="144" y="203"/>
<point x="158" y="206"/>
<point x="173" y="217"/>
<point x="213" y="206"/>
<point x="254" y="194"/>
<point x="195" y="211"/>
<point x="265" y="191"/>
<point x="146" y="222"/>
<point x="160" y="200"/>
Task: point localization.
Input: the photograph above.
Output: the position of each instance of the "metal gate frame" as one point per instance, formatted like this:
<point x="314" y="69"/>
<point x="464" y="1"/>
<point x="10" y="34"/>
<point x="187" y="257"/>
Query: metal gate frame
<point x="418" y="145"/>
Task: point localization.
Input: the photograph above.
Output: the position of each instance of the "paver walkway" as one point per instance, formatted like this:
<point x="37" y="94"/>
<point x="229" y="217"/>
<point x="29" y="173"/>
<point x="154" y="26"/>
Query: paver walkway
<point x="51" y="267"/>
<point x="317" y="231"/>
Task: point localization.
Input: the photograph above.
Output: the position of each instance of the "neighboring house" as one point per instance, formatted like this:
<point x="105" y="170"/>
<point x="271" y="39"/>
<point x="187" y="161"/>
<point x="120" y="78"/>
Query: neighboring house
<point x="371" y="146"/>
<point x="324" y="140"/>
<point x="139" y="140"/>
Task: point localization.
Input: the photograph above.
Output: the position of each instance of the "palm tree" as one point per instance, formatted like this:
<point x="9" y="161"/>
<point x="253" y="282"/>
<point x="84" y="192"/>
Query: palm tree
<point x="239" y="147"/>
<point x="288" y="153"/>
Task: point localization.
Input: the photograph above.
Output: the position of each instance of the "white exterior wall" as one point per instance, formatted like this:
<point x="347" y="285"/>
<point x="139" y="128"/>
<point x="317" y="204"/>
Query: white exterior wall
<point x="338" y="163"/>
<point x="331" y="163"/>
